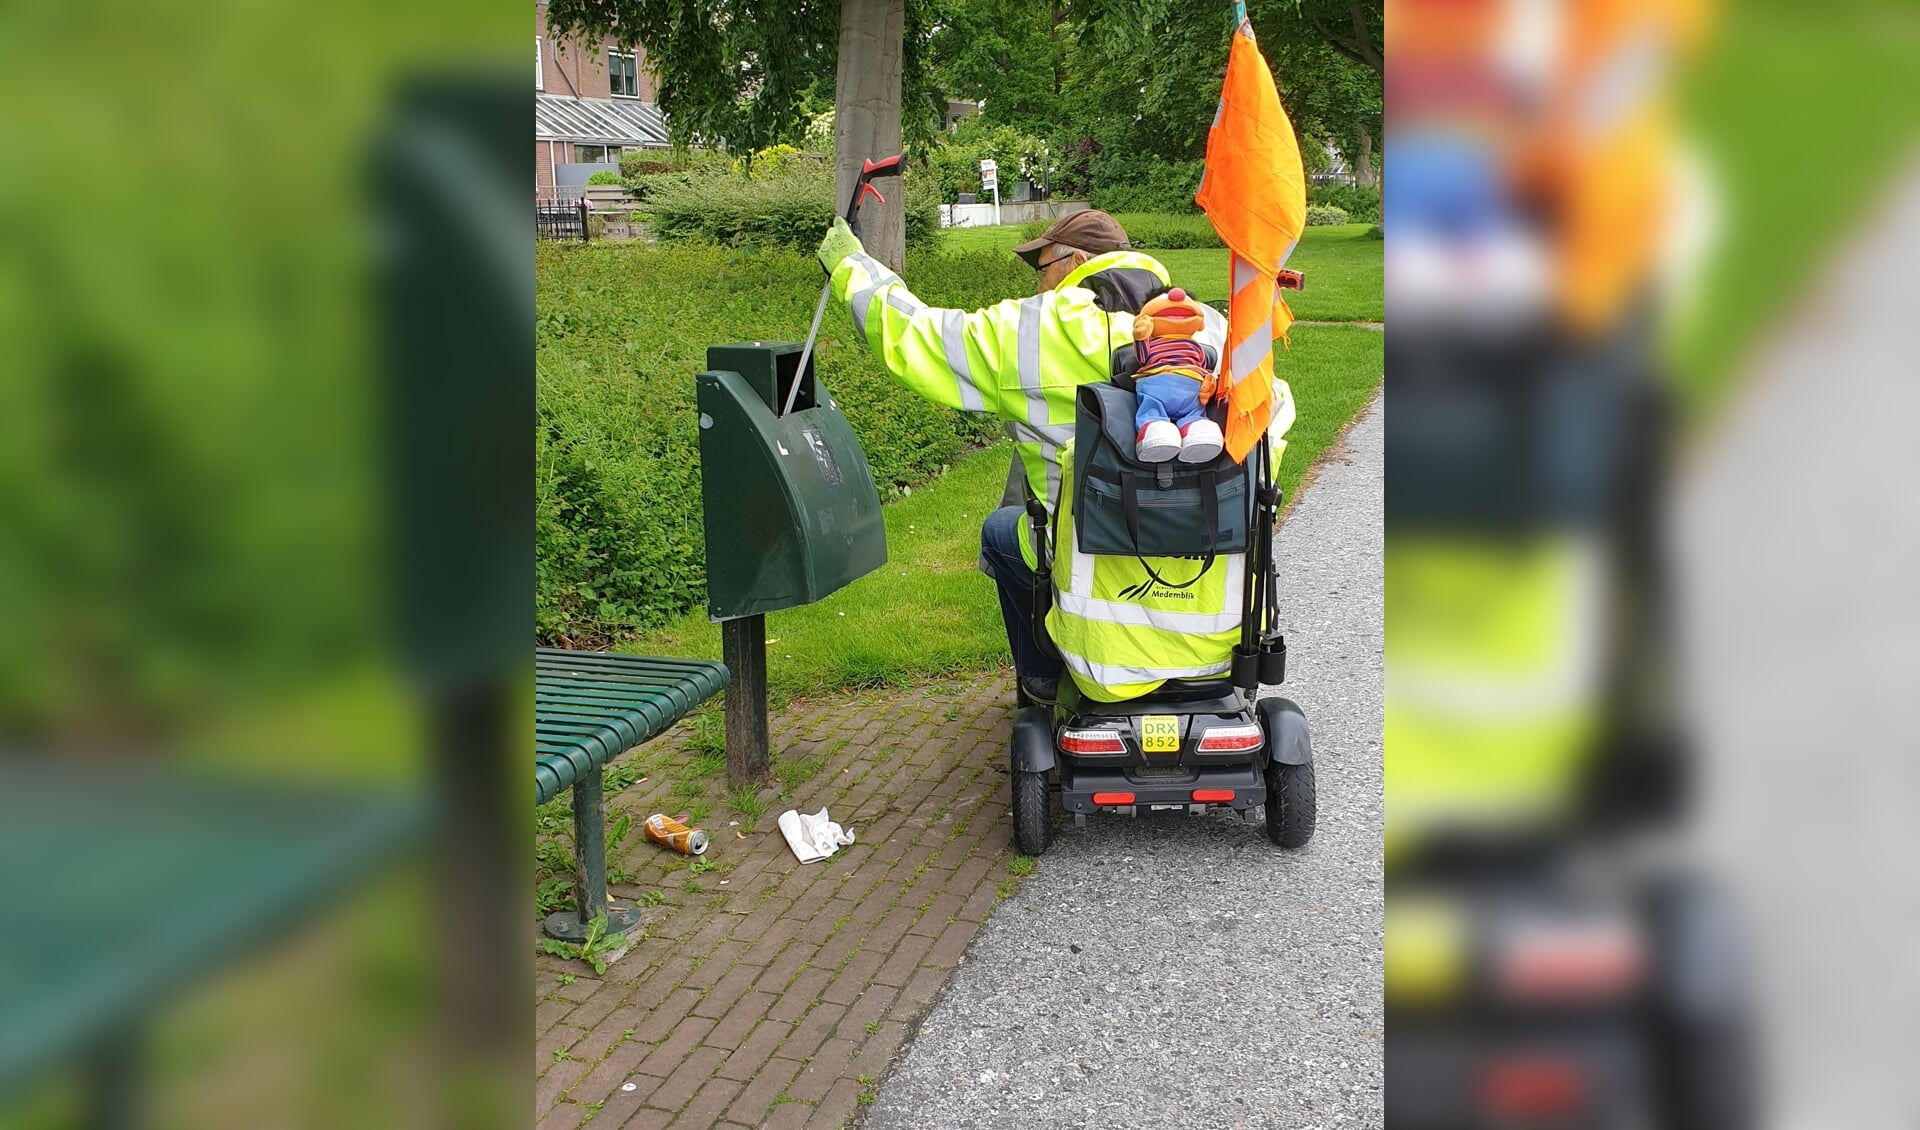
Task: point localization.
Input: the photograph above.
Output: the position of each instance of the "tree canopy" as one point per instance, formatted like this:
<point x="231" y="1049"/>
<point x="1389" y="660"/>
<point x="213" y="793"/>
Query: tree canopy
<point x="1140" y="75"/>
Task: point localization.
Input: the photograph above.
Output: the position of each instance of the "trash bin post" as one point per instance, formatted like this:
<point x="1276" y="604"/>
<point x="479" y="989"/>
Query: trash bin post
<point x="743" y="644"/>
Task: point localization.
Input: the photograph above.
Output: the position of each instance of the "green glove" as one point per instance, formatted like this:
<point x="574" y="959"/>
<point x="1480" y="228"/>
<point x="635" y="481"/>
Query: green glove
<point x="839" y="243"/>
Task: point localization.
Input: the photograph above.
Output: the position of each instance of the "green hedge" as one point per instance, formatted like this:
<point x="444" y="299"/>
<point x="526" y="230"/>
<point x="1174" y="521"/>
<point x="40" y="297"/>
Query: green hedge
<point x="1168" y="233"/>
<point x="1362" y="205"/>
<point x="621" y="328"/>
<point x="789" y="204"/>
<point x="1150" y="231"/>
<point x="1131" y="183"/>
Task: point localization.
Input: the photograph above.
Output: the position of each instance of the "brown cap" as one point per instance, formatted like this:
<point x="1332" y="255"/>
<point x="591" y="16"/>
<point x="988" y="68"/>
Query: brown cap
<point x="1090" y="231"/>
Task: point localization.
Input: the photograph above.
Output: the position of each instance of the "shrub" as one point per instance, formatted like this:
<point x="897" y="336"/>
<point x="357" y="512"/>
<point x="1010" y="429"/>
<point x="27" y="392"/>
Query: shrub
<point x="1325" y="215"/>
<point x="788" y="203"/>
<point x="1362" y="205"/>
<point x="605" y="176"/>
<point x="1168" y="233"/>
<point x="621" y="328"/>
<point x="954" y="166"/>
<point x="1129" y="182"/>
<point x="647" y="162"/>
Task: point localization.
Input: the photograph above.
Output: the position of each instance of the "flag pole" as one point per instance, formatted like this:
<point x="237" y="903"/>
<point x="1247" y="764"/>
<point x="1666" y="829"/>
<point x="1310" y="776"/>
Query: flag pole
<point x="1239" y="13"/>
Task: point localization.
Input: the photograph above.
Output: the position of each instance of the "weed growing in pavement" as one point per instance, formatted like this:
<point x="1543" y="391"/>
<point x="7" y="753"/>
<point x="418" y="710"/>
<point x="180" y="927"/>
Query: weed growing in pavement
<point x="700" y="865"/>
<point x="1007" y="887"/>
<point x="561" y="1053"/>
<point x="707" y="763"/>
<point x="626" y="1035"/>
<point x="799" y="770"/>
<point x="567" y="978"/>
<point x="698" y="811"/>
<point x="553" y="865"/>
<point x="618" y="776"/>
<point x="592" y="949"/>
<point x="867" y="1090"/>
<point x="1020" y="865"/>
<point x="709" y="733"/>
<point x="872" y="1027"/>
<point x="617" y="831"/>
<point x="748" y="802"/>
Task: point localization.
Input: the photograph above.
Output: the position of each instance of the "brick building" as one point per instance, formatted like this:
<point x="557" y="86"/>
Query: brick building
<point x="592" y="102"/>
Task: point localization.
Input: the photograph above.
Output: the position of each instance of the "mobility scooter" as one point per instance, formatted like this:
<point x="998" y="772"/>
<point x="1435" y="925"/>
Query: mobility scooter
<point x="1191" y="744"/>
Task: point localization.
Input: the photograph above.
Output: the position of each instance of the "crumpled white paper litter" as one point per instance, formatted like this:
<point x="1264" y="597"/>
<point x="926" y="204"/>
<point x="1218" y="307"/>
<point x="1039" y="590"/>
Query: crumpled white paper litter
<point x="813" y="836"/>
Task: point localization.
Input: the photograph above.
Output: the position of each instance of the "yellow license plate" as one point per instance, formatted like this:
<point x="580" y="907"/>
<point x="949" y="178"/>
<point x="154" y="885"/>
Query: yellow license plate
<point x="1160" y="733"/>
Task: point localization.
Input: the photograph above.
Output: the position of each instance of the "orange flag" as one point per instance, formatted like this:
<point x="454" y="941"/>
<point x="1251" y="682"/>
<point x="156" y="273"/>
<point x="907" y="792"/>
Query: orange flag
<point x="1255" y="194"/>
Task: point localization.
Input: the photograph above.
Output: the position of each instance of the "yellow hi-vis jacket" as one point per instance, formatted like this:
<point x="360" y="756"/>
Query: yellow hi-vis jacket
<point x="1024" y="360"/>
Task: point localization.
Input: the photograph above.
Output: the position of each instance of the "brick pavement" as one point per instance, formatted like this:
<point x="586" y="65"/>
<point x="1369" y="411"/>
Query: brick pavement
<point x="771" y="994"/>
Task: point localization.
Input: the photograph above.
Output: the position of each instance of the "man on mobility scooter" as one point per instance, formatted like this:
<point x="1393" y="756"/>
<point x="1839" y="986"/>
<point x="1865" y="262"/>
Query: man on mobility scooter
<point x="1167" y="642"/>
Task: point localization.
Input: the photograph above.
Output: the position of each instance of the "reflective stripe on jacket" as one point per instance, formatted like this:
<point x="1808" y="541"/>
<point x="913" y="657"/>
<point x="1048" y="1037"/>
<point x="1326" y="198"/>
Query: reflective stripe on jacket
<point x="1021" y="359"/>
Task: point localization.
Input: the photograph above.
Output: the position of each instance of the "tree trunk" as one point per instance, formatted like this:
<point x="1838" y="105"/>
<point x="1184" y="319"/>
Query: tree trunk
<point x="1363" y="169"/>
<point x="866" y="117"/>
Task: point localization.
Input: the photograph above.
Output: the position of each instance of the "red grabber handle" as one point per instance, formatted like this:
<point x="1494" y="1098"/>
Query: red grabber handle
<point x="870" y="170"/>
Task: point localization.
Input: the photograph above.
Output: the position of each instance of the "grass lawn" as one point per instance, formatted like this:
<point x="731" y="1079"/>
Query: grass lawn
<point x="1343" y="268"/>
<point x="929" y="611"/>
<point x="1804" y="111"/>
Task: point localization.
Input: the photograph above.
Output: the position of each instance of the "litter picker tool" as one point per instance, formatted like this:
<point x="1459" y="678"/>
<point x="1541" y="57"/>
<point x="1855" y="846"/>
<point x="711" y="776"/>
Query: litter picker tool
<point x="870" y="170"/>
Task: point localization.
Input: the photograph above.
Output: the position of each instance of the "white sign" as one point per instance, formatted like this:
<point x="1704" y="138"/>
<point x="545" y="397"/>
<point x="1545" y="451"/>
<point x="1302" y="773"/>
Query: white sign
<point x="989" y="176"/>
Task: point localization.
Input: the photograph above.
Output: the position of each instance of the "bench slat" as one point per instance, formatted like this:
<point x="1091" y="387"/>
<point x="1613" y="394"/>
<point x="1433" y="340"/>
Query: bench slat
<point x="591" y="707"/>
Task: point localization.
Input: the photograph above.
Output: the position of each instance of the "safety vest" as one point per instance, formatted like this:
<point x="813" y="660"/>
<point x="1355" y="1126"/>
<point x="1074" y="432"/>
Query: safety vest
<point x="1021" y="359"/>
<point x="1119" y="633"/>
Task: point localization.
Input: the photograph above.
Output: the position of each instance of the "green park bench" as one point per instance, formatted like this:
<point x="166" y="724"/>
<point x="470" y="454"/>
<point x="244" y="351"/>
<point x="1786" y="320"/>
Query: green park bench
<point x="129" y="883"/>
<point x="589" y="708"/>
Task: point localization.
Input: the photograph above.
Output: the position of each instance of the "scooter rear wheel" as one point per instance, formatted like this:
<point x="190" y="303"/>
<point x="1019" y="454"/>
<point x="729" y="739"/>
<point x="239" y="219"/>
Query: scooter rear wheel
<point x="1032" y="813"/>
<point x="1292" y="806"/>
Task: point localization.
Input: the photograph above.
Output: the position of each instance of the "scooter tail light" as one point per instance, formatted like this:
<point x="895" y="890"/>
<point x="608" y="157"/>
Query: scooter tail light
<point x="1232" y="739"/>
<point x="1113" y="798"/>
<point x="1213" y="796"/>
<point x="1569" y="964"/>
<point x="1092" y="741"/>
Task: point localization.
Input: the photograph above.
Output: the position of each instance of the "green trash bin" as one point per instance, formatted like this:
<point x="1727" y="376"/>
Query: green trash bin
<point x="791" y="511"/>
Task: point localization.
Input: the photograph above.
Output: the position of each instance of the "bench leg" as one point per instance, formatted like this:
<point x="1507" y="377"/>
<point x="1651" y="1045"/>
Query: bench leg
<point x="116" y="1083"/>
<point x="590" y="865"/>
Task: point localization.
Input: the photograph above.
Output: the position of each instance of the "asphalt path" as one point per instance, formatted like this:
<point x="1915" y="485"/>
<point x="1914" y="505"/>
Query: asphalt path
<point x="1174" y="970"/>
<point x="1798" y="530"/>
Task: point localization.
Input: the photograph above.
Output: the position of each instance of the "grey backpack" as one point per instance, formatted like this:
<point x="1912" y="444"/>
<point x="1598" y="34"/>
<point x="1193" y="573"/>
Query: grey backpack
<point x="1123" y="507"/>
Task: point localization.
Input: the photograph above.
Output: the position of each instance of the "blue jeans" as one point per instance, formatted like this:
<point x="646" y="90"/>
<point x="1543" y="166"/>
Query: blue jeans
<point x="1167" y="396"/>
<point x="1000" y="538"/>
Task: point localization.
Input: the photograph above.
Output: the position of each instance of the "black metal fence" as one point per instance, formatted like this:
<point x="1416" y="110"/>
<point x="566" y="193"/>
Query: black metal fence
<point x="560" y="221"/>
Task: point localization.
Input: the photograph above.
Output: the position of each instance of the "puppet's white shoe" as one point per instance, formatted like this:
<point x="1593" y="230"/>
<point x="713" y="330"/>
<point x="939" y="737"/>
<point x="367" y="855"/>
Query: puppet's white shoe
<point x="1157" y="442"/>
<point x="1201" y="442"/>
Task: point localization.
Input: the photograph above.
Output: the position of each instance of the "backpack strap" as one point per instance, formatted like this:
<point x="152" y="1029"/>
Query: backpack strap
<point x="1124" y="289"/>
